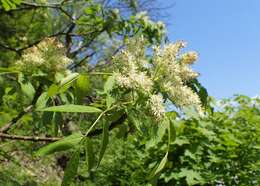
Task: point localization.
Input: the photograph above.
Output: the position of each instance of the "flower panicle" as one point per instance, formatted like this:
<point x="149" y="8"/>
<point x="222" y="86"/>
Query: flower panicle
<point x="168" y="72"/>
<point x="48" y="57"/>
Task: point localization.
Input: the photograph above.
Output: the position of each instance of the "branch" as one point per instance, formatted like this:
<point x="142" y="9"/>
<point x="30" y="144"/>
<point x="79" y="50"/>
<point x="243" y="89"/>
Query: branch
<point x="28" y="138"/>
<point x="19" y="50"/>
<point x="75" y="65"/>
<point x="53" y="139"/>
<point x="7" y="126"/>
<point x="8" y="48"/>
<point x="94" y="34"/>
<point x="38" y="41"/>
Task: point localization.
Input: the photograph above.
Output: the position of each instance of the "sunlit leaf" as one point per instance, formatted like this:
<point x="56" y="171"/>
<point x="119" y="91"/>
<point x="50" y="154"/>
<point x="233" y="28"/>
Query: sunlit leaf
<point x="159" y="167"/>
<point x="71" y="108"/>
<point x="82" y="83"/>
<point x="53" y="89"/>
<point x="61" y="145"/>
<point x="67" y="82"/>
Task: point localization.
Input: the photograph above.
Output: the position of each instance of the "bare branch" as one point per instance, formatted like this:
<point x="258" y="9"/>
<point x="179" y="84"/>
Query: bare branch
<point x="75" y="65"/>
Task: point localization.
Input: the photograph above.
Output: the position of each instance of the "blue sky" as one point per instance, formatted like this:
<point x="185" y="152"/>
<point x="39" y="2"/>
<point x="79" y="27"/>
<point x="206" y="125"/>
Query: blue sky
<point x="226" y="34"/>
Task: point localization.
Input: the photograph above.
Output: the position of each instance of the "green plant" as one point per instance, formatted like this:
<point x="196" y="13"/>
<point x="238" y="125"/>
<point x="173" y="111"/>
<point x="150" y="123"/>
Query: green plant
<point x="220" y="149"/>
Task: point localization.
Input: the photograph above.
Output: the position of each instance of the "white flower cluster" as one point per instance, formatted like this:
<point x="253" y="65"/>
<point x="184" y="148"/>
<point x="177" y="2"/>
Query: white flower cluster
<point x="173" y="72"/>
<point x="183" y="96"/>
<point x="47" y="57"/>
<point x="156" y="105"/>
<point x="167" y="72"/>
<point x="134" y="81"/>
<point x="130" y="75"/>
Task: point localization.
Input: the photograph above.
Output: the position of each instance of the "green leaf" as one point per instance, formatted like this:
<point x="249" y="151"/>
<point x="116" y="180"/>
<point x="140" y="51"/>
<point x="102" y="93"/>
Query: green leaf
<point x="42" y="100"/>
<point x="53" y="89"/>
<point x="109" y="84"/>
<point x="61" y="145"/>
<point x="171" y="132"/>
<point x="64" y="98"/>
<point x="6" y="5"/>
<point x="89" y="11"/>
<point x="256" y="147"/>
<point x="159" y="167"/>
<point x="7" y="71"/>
<point x="161" y="131"/>
<point x="181" y="141"/>
<point x="81" y="87"/>
<point x="90" y="154"/>
<point x="200" y="90"/>
<point x="47" y="118"/>
<point x="83" y="83"/>
<point x="192" y="177"/>
<point x="10" y="4"/>
<point x="110" y="100"/>
<point x="26" y="87"/>
<point x="17" y="1"/>
<point x="105" y="139"/>
<point x="157" y="136"/>
<point x="137" y="123"/>
<point x="71" y="169"/>
<point x="67" y="82"/>
<point x="28" y="90"/>
<point x="71" y="108"/>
